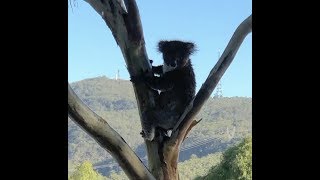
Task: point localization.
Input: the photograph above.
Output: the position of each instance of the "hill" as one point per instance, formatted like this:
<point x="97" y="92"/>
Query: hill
<point x="225" y="121"/>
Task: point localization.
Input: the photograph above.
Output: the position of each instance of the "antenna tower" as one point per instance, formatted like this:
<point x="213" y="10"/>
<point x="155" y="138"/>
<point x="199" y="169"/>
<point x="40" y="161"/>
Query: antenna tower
<point x="118" y="75"/>
<point x="218" y="93"/>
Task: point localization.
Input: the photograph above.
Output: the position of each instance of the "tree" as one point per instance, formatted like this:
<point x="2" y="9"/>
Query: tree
<point x="123" y="19"/>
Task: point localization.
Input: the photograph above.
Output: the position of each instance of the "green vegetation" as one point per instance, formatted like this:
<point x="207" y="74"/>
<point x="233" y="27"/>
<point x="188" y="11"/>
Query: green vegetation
<point x="85" y="172"/>
<point x="236" y="164"/>
<point x="194" y="167"/>
<point x="226" y="121"/>
<point x="233" y="164"/>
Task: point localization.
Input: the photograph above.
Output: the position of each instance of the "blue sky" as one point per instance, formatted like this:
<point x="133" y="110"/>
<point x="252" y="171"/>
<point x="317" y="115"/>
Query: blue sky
<point x="92" y="50"/>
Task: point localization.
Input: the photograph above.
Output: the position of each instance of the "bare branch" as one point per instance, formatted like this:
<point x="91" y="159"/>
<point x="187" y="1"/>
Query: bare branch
<point x="212" y="80"/>
<point x="194" y="123"/>
<point x="108" y="138"/>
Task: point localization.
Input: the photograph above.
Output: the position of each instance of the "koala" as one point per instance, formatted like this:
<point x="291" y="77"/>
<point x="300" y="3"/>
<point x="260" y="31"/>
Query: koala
<point x="176" y="84"/>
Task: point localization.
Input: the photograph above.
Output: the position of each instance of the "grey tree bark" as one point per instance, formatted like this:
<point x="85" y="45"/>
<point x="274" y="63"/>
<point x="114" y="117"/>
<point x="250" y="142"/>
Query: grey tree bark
<point x="123" y="19"/>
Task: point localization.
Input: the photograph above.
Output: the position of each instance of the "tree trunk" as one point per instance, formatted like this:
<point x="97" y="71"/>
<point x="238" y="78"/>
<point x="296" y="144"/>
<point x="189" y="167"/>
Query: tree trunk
<point x="163" y="160"/>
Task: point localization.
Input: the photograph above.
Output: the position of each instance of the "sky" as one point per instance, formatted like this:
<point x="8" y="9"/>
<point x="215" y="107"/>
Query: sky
<point x="92" y="50"/>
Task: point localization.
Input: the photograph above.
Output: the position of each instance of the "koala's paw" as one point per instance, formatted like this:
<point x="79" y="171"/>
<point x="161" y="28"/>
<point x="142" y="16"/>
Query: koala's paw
<point x="139" y="78"/>
<point x="136" y="79"/>
<point x="147" y="135"/>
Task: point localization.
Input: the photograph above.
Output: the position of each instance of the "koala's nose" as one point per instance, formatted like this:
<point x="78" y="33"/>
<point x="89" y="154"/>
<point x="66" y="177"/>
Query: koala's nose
<point x="173" y="64"/>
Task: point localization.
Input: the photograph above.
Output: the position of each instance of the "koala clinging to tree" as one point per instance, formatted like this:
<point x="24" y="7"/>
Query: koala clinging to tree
<point x="176" y="83"/>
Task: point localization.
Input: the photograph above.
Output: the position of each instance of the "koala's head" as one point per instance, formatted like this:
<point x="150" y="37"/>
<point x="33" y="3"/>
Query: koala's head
<point x="176" y="53"/>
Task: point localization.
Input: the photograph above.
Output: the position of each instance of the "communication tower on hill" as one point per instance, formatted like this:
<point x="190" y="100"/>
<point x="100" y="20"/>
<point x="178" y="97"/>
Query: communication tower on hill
<point x="118" y="75"/>
<point x="218" y="93"/>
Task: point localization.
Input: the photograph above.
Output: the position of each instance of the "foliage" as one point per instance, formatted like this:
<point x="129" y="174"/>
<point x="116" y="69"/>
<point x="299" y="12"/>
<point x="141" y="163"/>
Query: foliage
<point x="236" y="163"/>
<point x="85" y="172"/>
<point x="195" y="166"/>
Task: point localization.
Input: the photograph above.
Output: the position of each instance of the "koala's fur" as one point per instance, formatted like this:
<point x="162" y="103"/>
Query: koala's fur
<point x="176" y="83"/>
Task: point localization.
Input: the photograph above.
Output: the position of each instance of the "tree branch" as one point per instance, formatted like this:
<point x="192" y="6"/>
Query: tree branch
<point x="123" y="19"/>
<point x="182" y="127"/>
<point x="194" y="123"/>
<point x="108" y="138"/>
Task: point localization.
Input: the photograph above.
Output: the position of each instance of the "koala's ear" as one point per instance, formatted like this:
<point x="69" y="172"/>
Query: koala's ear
<point x="191" y="47"/>
<point x="161" y="45"/>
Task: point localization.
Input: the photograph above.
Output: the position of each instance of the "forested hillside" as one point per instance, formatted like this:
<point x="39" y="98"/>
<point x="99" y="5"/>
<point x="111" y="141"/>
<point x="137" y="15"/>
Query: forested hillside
<point x="225" y="121"/>
<point x="234" y="163"/>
